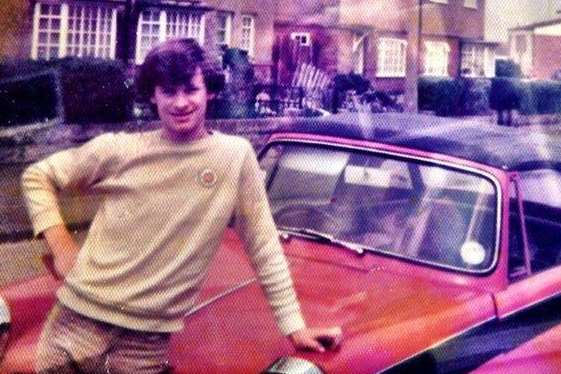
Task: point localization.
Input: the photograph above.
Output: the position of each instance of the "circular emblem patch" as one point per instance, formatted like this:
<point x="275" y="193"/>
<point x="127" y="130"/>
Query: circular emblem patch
<point x="207" y="178"/>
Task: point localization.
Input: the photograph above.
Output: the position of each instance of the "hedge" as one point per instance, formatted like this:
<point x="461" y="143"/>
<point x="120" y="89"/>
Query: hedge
<point x="528" y="97"/>
<point x="93" y="90"/>
<point x="454" y="97"/>
<point x="31" y="99"/>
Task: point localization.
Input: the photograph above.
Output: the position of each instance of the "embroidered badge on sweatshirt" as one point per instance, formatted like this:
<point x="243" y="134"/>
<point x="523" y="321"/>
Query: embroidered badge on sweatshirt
<point x="207" y="178"/>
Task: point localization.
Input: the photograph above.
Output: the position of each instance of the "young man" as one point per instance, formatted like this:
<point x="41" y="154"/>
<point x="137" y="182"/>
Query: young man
<point x="168" y="197"/>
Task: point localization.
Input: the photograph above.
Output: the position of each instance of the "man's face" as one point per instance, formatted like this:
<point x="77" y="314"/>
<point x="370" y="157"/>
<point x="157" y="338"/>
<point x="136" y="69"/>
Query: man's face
<point x="182" y="108"/>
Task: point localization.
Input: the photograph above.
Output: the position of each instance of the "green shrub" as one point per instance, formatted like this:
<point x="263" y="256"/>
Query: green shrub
<point x="31" y="99"/>
<point x="93" y="90"/>
<point x="505" y="94"/>
<point x="351" y="81"/>
<point x="528" y="97"/>
<point x="476" y="96"/>
<point x="444" y="96"/>
<point x="541" y="97"/>
<point x="507" y="69"/>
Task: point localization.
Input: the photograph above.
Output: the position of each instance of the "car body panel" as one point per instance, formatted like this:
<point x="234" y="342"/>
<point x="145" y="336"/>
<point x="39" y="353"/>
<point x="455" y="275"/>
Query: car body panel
<point x="374" y="306"/>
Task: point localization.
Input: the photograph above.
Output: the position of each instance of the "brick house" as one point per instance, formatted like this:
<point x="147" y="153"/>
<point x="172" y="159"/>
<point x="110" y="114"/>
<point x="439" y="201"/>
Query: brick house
<point x="371" y="38"/>
<point x="127" y="29"/>
<point x="536" y="48"/>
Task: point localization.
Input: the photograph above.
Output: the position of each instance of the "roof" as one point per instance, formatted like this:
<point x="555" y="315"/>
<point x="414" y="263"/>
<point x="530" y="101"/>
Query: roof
<point x="535" y="25"/>
<point x="509" y="148"/>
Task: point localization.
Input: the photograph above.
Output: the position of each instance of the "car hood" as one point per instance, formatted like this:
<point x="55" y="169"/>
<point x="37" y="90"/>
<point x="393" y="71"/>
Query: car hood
<point x="387" y="317"/>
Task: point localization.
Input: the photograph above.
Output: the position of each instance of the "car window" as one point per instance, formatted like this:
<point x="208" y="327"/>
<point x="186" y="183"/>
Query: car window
<point x="399" y="206"/>
<point x="542" y="211"/>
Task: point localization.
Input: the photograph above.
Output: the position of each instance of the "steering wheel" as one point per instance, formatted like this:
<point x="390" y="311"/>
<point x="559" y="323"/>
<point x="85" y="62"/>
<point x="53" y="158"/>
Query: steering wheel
<point x="304" y="215"/>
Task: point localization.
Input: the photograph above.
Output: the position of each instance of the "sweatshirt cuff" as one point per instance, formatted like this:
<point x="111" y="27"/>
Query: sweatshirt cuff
<point x="291" y="323"/>
<point x="45" y="220"/>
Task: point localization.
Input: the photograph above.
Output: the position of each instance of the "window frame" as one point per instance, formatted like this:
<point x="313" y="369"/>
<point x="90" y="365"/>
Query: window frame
<point x="432" y="49"/>
<point x="420" y="160"/>
<point x="250" y="46"/>
<point x="184" y="21"/>
<point x="226" y="28"/>
<point x="297" y="37"/>
<point x="59" y="48"/>
<point x="386" y="46"/>
<point x="470" y="53"/>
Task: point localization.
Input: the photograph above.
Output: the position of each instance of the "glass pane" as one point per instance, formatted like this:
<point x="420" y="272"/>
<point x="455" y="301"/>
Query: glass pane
<point x="42" y="52"/>
<point x="402" y="207"/>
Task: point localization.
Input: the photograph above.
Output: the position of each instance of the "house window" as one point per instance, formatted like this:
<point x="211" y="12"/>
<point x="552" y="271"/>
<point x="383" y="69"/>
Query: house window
<point x="392" y="57"/>
<point x="90" y="31"/>
<point x="223" y="29"/>
<point x="302" y="38"/>
<point x="470" y="4"/>
<point x="156" y="26"/>
<point x="477" y="61"/>
<point x="248" y="34"/>
<point x="436" y="58"/>
<point x="61" y="30"/>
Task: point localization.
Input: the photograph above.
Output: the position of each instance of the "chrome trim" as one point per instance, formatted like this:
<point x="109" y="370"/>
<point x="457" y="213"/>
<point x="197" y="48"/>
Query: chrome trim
<point x="439" y="343"/>
<point x="230" y="290"/>
<point x="531" y="305"/>
<point x="451" y="165"/>
<point x="293" y="365"/>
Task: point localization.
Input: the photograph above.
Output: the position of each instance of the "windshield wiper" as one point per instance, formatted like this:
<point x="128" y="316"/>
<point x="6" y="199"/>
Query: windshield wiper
<point x="325" y="237"/>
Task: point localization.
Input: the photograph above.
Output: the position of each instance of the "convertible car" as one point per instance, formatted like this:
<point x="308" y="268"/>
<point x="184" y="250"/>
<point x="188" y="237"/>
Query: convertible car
<point x="434" y="243"/>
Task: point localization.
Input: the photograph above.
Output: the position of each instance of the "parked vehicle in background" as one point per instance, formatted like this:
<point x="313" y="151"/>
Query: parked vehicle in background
<point x="433" y="242"/>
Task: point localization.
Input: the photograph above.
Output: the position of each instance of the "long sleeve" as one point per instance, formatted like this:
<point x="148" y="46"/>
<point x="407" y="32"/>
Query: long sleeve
<point x="256" y="227"/>
<point x="75" y="168"/>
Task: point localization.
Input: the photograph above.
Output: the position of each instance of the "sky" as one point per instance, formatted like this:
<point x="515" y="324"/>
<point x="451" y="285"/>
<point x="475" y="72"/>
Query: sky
<point x="505" y="14"/>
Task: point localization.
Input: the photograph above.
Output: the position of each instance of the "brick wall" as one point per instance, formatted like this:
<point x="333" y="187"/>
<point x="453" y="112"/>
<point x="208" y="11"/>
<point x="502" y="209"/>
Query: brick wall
<point x="546" y="59"/>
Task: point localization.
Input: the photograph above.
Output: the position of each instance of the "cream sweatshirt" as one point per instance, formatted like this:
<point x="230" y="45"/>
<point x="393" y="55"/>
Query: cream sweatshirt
<point x="165" y="208"/>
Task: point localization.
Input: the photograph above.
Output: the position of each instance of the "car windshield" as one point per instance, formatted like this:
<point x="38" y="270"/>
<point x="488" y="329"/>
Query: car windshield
<point x="400" y="206"/>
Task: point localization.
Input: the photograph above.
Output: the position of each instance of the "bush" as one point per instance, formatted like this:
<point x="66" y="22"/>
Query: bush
<point x="93" y="90"/>
<point x="528" y="97"/>
<point x="444" y="96"/>
<point x="505" y="94"/>
<point x="351" y="81"/>
<point x="507" y="69"/>
<point x="476" y="96"/>
<point x="31" y="99"/>
<point x="236" y="100"/>
<point x="540" y="97"/>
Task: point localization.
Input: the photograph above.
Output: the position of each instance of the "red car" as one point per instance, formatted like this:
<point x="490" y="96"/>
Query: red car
<point x="434" y="243"/>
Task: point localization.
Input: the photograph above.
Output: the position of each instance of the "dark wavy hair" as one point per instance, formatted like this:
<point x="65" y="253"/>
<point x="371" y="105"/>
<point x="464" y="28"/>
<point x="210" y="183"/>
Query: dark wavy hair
<point x="173" y="63"/>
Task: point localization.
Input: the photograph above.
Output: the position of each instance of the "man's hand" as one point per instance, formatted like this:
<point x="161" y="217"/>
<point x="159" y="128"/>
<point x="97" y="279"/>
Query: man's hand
<point x="63" y="247"/>
<point x="316" y="339"/>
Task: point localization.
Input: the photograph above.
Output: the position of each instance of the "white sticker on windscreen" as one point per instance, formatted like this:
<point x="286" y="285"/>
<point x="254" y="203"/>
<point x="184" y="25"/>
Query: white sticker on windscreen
<point x="472" y="253"/>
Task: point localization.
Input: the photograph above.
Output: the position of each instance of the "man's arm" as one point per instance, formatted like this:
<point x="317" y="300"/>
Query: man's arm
<point x="64" y="248"/>
<point x="257" y="228"/>
<point x="74" y="168"/>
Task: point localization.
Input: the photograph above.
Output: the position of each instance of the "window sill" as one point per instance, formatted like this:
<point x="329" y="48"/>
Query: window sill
<point x="381" y="75"/>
